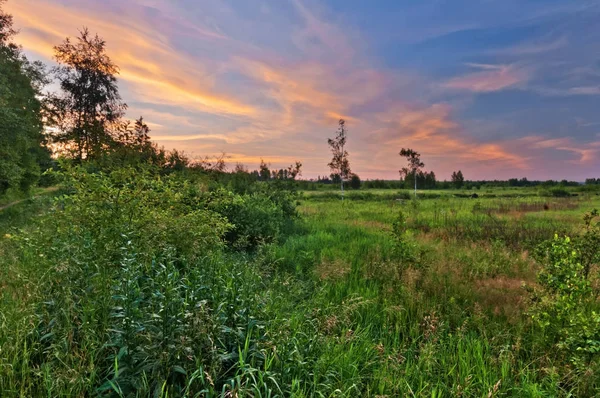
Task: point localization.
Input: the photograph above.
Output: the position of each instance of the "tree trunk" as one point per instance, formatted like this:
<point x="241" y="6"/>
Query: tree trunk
<point x="415" y="183"/>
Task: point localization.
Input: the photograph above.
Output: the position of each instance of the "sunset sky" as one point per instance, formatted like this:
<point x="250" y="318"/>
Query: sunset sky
<point x="496" y="88"/>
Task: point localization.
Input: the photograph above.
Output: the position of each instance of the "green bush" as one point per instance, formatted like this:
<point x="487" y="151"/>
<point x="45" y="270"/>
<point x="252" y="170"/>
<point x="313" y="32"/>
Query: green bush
<point x="108" y="210"/>
<point x="565" y="305"/>
<point x="255" y="219"/>
<point x="137" y="297"/>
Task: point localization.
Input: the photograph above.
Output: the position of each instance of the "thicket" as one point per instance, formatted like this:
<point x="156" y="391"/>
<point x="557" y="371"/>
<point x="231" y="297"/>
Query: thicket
<point x="138" y="284"/>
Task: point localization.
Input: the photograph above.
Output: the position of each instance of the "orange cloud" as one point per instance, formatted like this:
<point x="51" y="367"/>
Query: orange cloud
<point x="238" y="97"/>
<point x="432" y="132"/>
<point x="490" y="78"/>
<point x="147" y="60"/>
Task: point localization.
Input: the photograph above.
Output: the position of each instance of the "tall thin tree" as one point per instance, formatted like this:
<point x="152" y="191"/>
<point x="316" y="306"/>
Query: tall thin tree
<point x="339" y="164"/>
<point x="415" y="165"/>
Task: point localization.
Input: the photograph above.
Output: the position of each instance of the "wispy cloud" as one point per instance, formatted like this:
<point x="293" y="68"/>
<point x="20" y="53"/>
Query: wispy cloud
<point x="146" y="57"/>
<point x="489" y="78"/>
<point x="533" y="47"/>
<point x="567" y="91"/>
<point x="437" y="136"/>
<point x="272" y="82"/>
<point x="586" y="154"/>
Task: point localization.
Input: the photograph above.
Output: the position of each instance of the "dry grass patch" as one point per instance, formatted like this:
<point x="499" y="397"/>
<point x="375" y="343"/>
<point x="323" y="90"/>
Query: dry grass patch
<point x="332" y="269"/>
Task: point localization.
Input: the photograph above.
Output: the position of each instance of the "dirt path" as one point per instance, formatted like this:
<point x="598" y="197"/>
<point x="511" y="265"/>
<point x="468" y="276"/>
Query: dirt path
<point x="16" y="202"/>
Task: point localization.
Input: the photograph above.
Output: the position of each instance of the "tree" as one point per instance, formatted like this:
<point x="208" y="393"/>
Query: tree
<point x="339" y="164"/>
<point x="294" y="170"/>
<point x="355" y="181"/>
<point x="22" y="141"/>
<point x="429" y="180"/>
<point x="135" y="136"/>
<point x="414" y="164"/>
<point x="88" y="111"/>
<point x="458" y="179"/>
<point x="263" y="171"/>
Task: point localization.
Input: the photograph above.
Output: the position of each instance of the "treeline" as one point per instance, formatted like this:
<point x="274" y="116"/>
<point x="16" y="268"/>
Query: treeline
<point x="428" y="181"/>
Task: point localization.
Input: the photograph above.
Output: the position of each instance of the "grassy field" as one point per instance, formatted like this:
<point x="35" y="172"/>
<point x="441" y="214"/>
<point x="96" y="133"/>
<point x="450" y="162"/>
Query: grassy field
<point x="375" y="296"/>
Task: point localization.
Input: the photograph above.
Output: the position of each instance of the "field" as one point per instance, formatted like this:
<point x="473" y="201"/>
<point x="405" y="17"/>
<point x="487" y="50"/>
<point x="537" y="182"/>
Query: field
<point x="375" y="296"/>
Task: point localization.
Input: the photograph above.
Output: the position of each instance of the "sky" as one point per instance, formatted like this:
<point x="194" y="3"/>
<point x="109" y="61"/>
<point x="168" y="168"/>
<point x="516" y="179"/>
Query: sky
<point x="495" y="88"/>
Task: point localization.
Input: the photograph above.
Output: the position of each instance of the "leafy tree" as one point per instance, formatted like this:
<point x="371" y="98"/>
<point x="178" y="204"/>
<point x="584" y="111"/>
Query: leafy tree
<point x="88" y="111"/>
<point x="22" y="142"/>
<point x="136" y="135"/>
<point x="264" y="172"/>
<point x="458" y="179"/>
<point x="355" y="181"/>
<point x="339" y="164"/>
<point x="414" y="164"/>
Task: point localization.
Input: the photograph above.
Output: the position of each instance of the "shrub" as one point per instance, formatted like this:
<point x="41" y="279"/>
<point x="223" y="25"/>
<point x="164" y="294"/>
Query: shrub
<point x="107" y="210"/>
<point x="556" y="192"/>
<point x="565" y="305"/>
<point x="255" y="219"/>
<point x="137" y="296"/>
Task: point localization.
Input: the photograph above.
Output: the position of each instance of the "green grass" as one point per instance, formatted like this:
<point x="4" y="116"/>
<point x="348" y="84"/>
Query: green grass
<point x="334" y="309"/>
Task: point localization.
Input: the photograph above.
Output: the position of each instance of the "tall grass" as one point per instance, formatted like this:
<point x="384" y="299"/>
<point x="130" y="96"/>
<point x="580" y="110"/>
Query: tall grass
<point x="337" y="307"/>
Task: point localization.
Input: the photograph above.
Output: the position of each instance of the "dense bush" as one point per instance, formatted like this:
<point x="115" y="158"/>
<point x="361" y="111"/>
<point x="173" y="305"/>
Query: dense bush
<point x="139" y="293"/>
<point x="255" y="218"/>
<point x="565" y="305"/>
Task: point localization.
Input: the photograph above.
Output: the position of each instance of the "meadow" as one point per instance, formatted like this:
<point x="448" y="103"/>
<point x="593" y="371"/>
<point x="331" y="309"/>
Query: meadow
<point x="122" y="285"/>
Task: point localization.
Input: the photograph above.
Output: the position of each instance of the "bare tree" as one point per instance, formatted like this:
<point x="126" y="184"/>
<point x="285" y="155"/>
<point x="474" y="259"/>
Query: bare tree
<point x="414" y="164"/>
<point x="339" y="164"/>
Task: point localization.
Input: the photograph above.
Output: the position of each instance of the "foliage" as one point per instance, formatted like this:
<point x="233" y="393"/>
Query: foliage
<point x="22" y="151"/>
<point x="138" y="287"/>
<point x="565" y="305"/>
<point x="405" y="251"/>
<point x="255" y="218"/>
<point x="458" y="179"/>
<point x="355" y="181"/>
<point x="414" y="164"/>
<point x="588" y="242"/>
<point x="88" y="111"/>
<point x="334" y="309"/>
<point x="339" y="165"/>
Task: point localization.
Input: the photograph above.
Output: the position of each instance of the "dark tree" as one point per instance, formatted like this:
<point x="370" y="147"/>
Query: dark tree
<point x="22" y="141"/>
<point x="414" y="164"/>
<point x="294" y="170"/>
<point x="263" y="171"/>
<point x="88" y="111"/>
<point x="135" y="136"/>
<point x="240" y="168"/>
<point x="458" y="179"/>
<point x="355" y="181"/>
<point x="339" y="165"/>
<point x="429" y="180"/>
